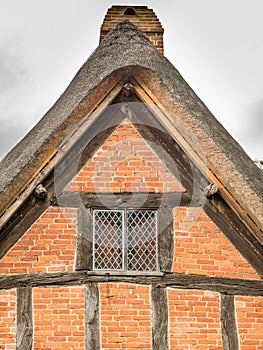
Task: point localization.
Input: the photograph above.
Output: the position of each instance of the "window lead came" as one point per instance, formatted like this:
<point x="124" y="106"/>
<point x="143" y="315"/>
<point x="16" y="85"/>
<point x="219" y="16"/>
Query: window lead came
<point x="125" y="240"/>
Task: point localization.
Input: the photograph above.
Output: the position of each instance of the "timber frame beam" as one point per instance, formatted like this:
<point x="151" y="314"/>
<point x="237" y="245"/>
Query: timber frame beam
<point x="228" y="286"/>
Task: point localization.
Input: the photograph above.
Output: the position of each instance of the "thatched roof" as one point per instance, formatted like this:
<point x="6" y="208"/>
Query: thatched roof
<point x="126" y="51"/>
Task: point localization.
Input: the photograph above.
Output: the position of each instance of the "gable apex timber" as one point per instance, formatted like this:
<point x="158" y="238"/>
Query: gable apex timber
<point x="124" y="53"/>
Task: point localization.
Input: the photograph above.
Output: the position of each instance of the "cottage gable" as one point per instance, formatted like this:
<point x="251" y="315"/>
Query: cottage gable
<point x="129" y="217"/>
<point x="124" y="163"/>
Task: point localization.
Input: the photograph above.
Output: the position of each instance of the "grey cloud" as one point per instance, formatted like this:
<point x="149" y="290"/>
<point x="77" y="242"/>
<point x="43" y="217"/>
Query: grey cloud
<point x="12" y="68"/>
<point x="14" y="75"/>
<point x="10" y="132"/>
<point x="252" y="133"/>
<point x="255" y="120"/>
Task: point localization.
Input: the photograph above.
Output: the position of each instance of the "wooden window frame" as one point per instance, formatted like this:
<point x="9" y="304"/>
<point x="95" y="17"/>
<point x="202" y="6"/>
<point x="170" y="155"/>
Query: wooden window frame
<point x="125" y="265"/>
<point x="162" y="203"/>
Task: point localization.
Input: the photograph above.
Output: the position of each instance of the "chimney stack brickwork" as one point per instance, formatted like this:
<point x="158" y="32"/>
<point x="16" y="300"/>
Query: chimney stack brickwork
<point x="141" y="16"/>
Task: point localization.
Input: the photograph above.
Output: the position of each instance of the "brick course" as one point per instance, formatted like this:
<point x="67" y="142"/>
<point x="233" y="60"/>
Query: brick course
<point x="201" y="248"/>
<point x="125" y="316"/>
<point x="125" y="163"/>
<point x="8" y="319"/>
<point x="48" y="245"/>
<point x="59" y="318"/>
<point x="194" y="320"/>
<point x="249" y="312"/>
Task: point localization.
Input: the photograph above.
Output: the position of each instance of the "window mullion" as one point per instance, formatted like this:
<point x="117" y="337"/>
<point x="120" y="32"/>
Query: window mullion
<point x="125" y="241"/>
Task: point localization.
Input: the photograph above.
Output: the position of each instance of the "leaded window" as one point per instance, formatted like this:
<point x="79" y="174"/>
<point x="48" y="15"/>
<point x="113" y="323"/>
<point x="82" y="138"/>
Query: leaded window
<point x="125" y="240"/>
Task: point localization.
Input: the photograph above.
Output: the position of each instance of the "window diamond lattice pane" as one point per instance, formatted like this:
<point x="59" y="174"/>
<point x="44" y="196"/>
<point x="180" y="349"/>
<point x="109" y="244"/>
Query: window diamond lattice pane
<point x="141" y="240"/>
<point x="108" y="240"/>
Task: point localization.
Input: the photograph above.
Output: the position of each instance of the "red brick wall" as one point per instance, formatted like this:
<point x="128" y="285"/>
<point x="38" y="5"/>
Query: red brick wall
<point x="145" y="19"/>
<point x="201" y="248"/>
<point x="194" y="320"/>
<point x="125" y="316"/>
<point x="59" y="318"/>
<point x="8" y="319"/>
<point x="249" y="312"/>
<point x="125" y="163"/>
<point x="48" y="246"/>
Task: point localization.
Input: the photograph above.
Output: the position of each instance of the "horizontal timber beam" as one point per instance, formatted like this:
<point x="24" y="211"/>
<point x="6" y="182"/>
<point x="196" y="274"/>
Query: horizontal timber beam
<point x="229" y="286"/>
<point x="124" y="200"/>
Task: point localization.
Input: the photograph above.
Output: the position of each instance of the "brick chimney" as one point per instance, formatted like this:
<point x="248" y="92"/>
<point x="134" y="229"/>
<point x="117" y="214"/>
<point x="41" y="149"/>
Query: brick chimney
<point x="145" y="19"/>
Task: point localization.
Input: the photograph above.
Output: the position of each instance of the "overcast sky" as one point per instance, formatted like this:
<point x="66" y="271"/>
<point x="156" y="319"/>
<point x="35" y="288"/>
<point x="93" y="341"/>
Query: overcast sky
<point x="216" y="45"/>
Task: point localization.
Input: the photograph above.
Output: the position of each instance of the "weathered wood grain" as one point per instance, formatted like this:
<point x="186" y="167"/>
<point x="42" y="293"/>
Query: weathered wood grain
<point x="84" y="240"/>
<point x="92" y="317"/>
<point x="124" y="200"/>
<point x="230" y="286"/>
<point x="228" y="323"/>
<point x="159" y="318"/>
<point x="24" y="333"/>
<point x="165" y="239"/>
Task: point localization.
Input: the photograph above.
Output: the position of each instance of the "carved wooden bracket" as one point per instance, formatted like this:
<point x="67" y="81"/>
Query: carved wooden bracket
<point x="40" y="191"/>
<point x="210" y="190"/>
